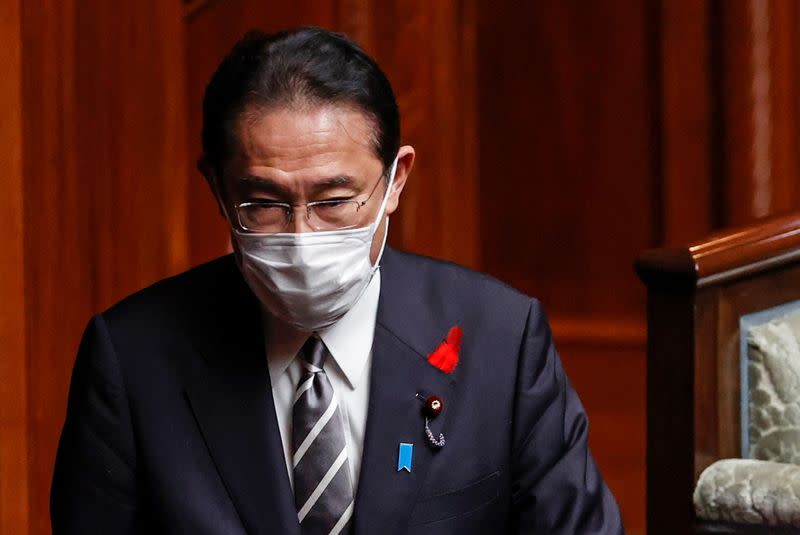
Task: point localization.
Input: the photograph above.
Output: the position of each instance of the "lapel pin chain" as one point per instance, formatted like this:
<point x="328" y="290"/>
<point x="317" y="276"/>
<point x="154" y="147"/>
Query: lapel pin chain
<point x="432" y="407"/>
<point x="437" y="443"/>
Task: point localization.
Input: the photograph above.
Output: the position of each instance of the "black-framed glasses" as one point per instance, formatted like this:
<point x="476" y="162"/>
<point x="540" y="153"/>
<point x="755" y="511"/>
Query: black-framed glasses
<point x="270" y="217"/>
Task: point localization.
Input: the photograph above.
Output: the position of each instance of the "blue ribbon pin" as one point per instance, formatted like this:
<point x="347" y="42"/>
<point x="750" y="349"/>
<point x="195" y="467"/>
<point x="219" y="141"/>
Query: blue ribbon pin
<point x="404" y="455"/>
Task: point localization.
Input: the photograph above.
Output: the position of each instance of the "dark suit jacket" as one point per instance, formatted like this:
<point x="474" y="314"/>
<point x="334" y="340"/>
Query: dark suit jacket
<point x="171" y="426"/>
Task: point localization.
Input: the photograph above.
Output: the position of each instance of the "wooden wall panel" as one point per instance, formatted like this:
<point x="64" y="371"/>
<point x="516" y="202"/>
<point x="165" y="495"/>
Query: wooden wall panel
<point x="131" y="121"/>
<point x="758" y="70"/>
<point x="57" y="222"/>
<point x="685" y="152"/>
<point x="104" y="185"/>
<point x="747" y="110"/>
<point x="785" y="66"/>
<point x="565" y="159"/>
<point x="13" y="370"/>
<point x="726" y="117"/>
<point x="428" y="50"/>
<point x="569" y="196"/>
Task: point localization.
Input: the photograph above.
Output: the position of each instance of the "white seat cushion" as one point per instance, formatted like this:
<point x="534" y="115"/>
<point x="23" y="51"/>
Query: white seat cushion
<point x="749" y="492"/>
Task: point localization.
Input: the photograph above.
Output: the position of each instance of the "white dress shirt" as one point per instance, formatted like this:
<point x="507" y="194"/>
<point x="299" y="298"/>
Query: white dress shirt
<point x="349" y="341"/>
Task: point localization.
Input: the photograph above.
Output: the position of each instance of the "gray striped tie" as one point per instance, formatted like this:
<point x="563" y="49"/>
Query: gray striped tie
<point x="323" y="492"/>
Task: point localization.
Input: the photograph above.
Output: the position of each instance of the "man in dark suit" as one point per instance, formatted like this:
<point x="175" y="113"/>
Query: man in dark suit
<point x="294" y="387"/>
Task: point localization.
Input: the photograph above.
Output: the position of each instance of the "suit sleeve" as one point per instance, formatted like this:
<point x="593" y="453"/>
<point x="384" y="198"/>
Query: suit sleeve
<point x="94" y="487"/>
<point x="556" y="485"/>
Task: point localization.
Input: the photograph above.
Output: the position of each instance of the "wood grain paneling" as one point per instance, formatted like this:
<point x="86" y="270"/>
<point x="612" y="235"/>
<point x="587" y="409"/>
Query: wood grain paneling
<point x="747" y="113"/>
<point x="428" y="50"/>
<point x="569" y="196"/>
<point x="566" y="183"/>
<point x="728" y="138"/>
<point x="131" y="117"/>
<point x="785" y="66"/>
<point x="58" y="244"/>
<point x="758" y="58"/>
<point x="685" y="123"/>
<point x="104" y="185"/>
<point x="13" y="369"/>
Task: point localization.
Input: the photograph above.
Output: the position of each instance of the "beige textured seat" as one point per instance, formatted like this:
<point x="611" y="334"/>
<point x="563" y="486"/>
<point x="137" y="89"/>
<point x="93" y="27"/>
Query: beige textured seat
<point x="765" y="488"/>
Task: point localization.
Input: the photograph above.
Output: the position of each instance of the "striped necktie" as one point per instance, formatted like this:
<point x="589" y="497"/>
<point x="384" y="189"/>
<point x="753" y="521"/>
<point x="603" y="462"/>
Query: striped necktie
<point x="323" y="491"/>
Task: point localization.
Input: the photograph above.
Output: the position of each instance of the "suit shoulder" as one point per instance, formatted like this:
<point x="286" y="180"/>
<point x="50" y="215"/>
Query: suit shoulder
<point x="449" y="278"/>
<point x="172" y="297"/>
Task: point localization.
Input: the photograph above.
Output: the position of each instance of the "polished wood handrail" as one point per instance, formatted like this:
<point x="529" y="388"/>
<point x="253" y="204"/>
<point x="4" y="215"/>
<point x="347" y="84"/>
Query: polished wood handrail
<point x="765" y="244"/>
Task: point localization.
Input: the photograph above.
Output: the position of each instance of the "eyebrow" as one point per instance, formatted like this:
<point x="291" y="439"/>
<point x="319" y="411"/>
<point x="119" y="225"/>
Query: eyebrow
<point x="270" y="186"/>
<point x="338" y="181"/>
<point x="264" y="184"/>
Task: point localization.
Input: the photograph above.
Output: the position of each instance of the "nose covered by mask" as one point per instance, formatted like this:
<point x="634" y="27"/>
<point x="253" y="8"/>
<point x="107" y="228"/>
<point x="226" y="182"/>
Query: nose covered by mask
<point x="311" y="279"/>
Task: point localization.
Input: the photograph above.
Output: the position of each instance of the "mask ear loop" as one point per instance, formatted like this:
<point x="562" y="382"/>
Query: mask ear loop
<point x="392" y="172"/>
<point x="380" y="215"/>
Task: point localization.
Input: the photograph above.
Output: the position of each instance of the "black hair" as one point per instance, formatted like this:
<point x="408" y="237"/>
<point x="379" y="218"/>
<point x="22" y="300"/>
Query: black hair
<point x="303" y="65"/>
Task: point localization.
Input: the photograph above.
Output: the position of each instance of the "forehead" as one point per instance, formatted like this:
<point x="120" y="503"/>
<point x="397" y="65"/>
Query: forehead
<point x="295" y="138"/>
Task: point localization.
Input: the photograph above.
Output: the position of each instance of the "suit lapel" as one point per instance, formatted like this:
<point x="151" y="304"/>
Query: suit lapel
<point x="404" y="335"/>
<point x="231" y="398"/>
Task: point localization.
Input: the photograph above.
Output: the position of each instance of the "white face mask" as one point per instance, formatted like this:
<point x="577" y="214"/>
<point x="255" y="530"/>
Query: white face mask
<point x="311" y="279"/>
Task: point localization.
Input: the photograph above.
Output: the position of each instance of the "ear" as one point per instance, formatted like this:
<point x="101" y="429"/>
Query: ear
<point x="212" y="179"/>
<point x="405" y="161"/>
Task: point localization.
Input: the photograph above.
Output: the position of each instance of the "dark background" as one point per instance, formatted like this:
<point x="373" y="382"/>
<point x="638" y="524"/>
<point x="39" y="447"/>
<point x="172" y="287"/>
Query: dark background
<point x="555" y="138"/>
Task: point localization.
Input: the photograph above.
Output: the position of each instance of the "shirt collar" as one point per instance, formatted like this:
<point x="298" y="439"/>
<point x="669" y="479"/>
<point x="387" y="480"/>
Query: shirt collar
<point x="349" y="340"/>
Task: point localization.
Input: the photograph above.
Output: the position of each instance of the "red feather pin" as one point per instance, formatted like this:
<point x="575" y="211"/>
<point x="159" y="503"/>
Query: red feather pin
<point x="445" y="357"/>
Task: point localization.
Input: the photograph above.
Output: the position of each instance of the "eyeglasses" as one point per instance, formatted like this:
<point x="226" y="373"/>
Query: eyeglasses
<point x="270" y="217"/>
